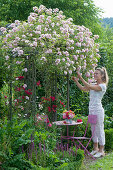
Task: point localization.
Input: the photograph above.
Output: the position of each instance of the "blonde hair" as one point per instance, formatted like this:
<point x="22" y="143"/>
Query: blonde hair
<point x="104" y="74"/>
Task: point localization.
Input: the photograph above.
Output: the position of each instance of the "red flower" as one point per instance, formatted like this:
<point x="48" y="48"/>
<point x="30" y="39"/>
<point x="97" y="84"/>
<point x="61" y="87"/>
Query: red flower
<point x="23" y="97"/>
<point x="20" y="77"/>
<point x="27" y="92"/>
<point x="64" y="122"/>
<point x="53" y="110"/>
<point x="52" y="98"/>
<point x="54" y="106"/>
<point x="43" y="98"/>
<point x="49" y="109"/>
<point x="47" y="121"/>
<point x="17" y="89"/>
<point x="5" y="97"/>
<point x="38" y="83"/>
<point x="37" y="114"/>
<point x="23" y="87"/>
<point x="79" y="120"/>
<point x="62" y="104"/>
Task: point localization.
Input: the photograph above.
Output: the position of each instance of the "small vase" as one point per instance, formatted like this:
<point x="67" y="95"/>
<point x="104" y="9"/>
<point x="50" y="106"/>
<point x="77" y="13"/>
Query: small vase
<point x="69" y="121"/>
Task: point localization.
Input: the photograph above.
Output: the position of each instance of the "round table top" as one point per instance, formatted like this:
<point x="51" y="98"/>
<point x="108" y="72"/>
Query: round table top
<point x="60" y="123"/>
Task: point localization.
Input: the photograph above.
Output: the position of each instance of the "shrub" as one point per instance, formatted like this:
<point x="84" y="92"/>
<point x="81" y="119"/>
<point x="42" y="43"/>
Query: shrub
<point x="108" y="122"/>
<point x="16" y="162"/>
<point x="109" y="139"/>
<point x="109" y="109"/>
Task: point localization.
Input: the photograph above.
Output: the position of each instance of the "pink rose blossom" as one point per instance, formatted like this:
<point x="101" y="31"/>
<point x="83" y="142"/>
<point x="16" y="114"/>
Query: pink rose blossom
<point x="87" y="74"/>
<point x="7" y="57"/>
<point x="50" y="125"/>
<point x="3" y="29"/>
<point x="27" y="97"/>
<point x="96" y="37"/>
<point x="20" y="52"/>
<point x="64" y="115"/>
<point x="25" y="69"/>
<point x="8" y="35"/>
<point x="65" y="72"/>
<point x="68" y="64"/>
<point x="70" y="71"/>
<point x="25" y="85"/>
<point x="35" y="9"/>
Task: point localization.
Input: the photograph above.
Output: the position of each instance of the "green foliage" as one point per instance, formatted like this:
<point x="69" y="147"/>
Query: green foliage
<point x="109" y="109"/>
<point x="37" y="150"/>
<point x="45" y="135"/>
<point x="44" y="158"/>
<point x="16" y="137"/>
<point x="60" y="160"/>
<point x="14" y="10"/>
<point x="16" y="162"/>
<point x="106" y="60"/>
<point x="109" y="139"/>
<point x="108" y="123"/>
<point x="79" y="100"/>
<point x="13" y="135"/>
<point x="3" y="23"/>
<point x="72" y="162"/>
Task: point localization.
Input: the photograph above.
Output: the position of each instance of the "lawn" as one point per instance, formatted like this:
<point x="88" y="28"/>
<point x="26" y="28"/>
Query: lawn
<point x="104" y="163"/>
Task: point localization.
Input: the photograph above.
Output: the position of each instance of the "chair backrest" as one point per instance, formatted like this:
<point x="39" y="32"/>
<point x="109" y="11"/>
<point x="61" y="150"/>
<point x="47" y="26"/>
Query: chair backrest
<point x="92" y="119"/>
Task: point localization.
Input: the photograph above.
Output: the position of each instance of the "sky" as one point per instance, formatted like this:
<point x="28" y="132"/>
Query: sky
<point x="107" y="6"/>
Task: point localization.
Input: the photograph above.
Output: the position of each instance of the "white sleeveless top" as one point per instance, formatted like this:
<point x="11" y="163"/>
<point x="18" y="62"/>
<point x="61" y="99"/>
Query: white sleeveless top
<point x="96" y="97"/>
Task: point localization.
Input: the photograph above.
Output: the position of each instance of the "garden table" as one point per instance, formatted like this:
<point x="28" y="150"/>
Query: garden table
<point x="61" y="123"/>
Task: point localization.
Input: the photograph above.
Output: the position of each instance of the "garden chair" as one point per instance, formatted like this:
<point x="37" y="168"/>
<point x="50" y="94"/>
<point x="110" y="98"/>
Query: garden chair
<point x="92" y="119"/>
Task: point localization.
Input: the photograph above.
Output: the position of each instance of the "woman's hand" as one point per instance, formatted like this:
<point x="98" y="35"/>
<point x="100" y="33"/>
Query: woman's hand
<point x="79" y="74"/>
<point x="74" y="78"/>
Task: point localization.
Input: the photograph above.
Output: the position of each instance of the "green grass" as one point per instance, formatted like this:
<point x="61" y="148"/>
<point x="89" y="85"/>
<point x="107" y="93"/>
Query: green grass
<point x="104" y="163"/>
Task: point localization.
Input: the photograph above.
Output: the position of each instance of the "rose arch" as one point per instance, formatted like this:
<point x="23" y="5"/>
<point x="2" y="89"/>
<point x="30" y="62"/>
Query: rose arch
<point x="47" y="42"/>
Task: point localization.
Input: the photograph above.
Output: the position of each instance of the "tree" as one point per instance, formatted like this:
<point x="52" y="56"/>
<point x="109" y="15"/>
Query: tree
<point x="106" y="60"/>
<point x="11" y="10"/>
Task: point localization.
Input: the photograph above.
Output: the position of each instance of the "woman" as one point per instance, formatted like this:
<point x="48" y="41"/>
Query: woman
<point x="97" y="91"/>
